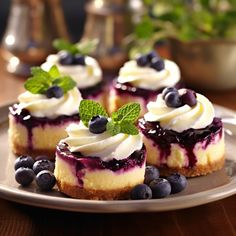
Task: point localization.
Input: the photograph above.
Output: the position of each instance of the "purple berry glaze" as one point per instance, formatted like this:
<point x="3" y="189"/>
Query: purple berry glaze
<point x="146" y="94"/>
<point x="163" y="138"/>
<point x="92" y="91"/>
<point x="29" y="122"/>
<point x="80" y="162"/>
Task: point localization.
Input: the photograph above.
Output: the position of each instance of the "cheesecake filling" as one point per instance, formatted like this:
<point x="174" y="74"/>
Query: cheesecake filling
<point x="93" y="173"/>
<point x="186" y="149"/>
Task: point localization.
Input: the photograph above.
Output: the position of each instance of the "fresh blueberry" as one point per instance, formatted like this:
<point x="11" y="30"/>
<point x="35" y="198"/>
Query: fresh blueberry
<point x="65" y="58"/>
<point x="41" y="157"/>
<point x="98" y="124"/>
<point x="141" y="191"/>
<point x="54" y="92"/>
<point x="24" y="176"/>
<point x="45" y="180"/>
<point x="43" y="165"/>
<point x="151" y="173"/>
<point x="142" y="61"/>
<point x="79" y="60"/>
<point x="24" y="161"/>
<point x="178" y="182"/>
<point x="152" y="55"/>
<point x="189" y="98"/>
<point x="157" y="64"/>
<point x="160" y="188"/>
<point x="168" y="90"/>
<point x="173" y="99"/>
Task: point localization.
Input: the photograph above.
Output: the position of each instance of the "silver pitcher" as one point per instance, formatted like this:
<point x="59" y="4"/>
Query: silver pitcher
<point x="32" y="25"/>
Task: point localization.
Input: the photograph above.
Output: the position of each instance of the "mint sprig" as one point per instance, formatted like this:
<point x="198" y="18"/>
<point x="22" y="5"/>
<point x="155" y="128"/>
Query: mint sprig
<point x="42" y="80"/>
<point x="83" y="48"/>
<point x="88" y="109"/>
<point x="121" y="121"/>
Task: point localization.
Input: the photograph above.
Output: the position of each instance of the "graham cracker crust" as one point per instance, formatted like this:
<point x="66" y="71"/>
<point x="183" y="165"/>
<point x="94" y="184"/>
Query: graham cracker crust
<point x="20" y="150"/>
<point x="91" y="194"/>
<point x="195" y="171"/>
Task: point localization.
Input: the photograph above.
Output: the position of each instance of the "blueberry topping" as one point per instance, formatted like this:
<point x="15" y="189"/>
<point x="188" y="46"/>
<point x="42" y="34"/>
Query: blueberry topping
<point x="24" y="161"/>
<point x="168" y="90"/>
<point x="24" y="176"/>
<point x="41" y="157"/>
<point x="151" y="173"/>
<point x="152" y="55"/>
<point x="65" y="58"/>
<point x="157" y="64"/>
<point x="45" y="180"/>
<point x="43" y="165"/>
<point x="79" y="60"/>
<point x="142" y="61"/>
<point x="189" y="98"/>
<point x="160" y="188"/>
<point x="54" y="92"/>
<point x="98" y="124"/>
<point x="141" y="191"/>
<point x="178" y="182"/>
<point x="173" y="99"/>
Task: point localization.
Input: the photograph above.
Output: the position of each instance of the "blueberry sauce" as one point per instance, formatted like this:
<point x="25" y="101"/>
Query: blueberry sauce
<point x="80" y="162"/>
<point x="146" y="94"/>
<point x="187" y="139"/>
<point x="92" y="91"/>
<point x="26" y="119"/>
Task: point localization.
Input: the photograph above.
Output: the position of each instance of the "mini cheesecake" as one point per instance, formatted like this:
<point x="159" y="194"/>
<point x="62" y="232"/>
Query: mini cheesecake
<point x="87" y="75"/>
<point x="99" y="166"/>
<point x="187" y="139"/>
<point x="37" y="123"/>
<point x="141" y="82"/>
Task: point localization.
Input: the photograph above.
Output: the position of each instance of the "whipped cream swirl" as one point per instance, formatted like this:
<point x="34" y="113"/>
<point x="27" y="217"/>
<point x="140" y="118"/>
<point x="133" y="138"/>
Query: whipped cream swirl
<point x="147" y="77"/>
<point x="181" y="118"/>
<point x="40" y="106"/>
<point x="85" y="76"/>
<point x="103" y="145"/>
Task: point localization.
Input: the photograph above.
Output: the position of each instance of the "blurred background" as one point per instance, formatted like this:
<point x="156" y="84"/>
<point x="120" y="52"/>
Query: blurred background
<point x="199" y="35"/>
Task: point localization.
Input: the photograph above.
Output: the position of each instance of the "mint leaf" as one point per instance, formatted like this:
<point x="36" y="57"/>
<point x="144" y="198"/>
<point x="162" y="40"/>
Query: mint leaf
<point x="37" y="85"/>
<point x="61" y="44"/>
<point x="38" y="71"/>
<point x="113" y="128"/>
<point x="87" y="47"/>
<point x="128" y="128"/>
<point x="129" y="113"/>
<point x="88" y="109"/>
<point x="65" y="82"/>
<point x="54" y="72"/>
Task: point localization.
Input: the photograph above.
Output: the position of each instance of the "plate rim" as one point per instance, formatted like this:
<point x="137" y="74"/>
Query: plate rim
<point x="117" y="206"/>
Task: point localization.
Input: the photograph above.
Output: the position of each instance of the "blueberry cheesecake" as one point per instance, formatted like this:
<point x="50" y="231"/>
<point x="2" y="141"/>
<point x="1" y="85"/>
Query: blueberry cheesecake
<point x="38" y="121"/>
<point x="102" y="158"/>
<point x="73" y="60"/>
<point x="142" y="79"/>
<point x="182" y="134"/>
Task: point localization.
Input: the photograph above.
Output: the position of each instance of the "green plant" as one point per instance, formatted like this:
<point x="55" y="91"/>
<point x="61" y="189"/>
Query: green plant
<point x="185" y="20"/>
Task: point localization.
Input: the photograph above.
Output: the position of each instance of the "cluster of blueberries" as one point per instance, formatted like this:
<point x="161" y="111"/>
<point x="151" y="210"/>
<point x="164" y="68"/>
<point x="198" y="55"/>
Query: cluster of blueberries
<point x="66" y="58"/>
<point x="156" y="187"/>
<point x="152" y="59"/>
<point x="41" y="169"/>
<point x="174" y="99"/>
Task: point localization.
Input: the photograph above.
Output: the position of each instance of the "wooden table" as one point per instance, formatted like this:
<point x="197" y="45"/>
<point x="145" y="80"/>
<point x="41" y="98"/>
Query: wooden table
<point x="218" y="218"/>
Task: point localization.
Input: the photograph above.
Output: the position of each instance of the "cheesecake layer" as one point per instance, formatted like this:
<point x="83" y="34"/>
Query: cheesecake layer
<point x="34" y="136"/>
<point x="193" y="153"/>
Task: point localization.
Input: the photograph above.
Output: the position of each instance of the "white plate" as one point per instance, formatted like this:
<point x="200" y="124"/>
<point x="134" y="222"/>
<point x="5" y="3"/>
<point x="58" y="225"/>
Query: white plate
<point x="200" y="190"/>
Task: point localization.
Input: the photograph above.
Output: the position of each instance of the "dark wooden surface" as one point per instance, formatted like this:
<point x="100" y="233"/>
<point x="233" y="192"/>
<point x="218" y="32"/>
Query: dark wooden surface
<point x="218" y="218"/>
